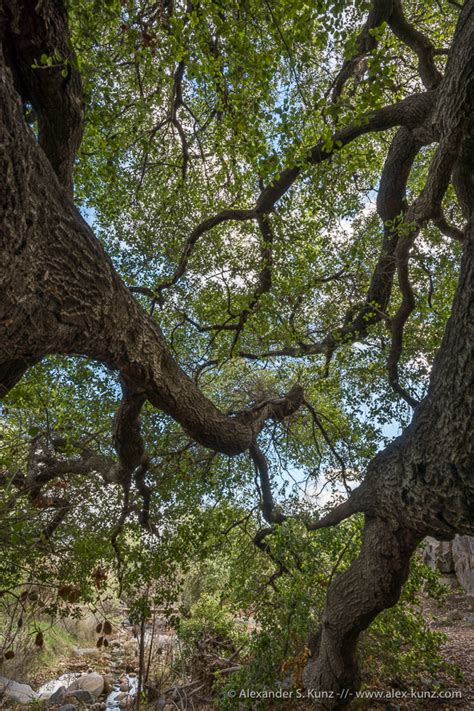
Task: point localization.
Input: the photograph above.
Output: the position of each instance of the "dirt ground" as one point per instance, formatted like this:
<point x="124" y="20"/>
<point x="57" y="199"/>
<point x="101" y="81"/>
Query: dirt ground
<point x="456" y="621"/>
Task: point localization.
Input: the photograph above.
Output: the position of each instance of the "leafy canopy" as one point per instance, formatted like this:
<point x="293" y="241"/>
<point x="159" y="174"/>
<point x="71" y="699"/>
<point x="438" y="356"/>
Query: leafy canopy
<point x="192" y="109"/>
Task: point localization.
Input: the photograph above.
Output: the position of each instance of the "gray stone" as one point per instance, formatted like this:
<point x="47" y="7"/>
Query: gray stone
<point x="108" y="682"/>
<point x="18" y="693"/>
<point x="83" y="695"/>
<point x="463" y="557"/>
<point x="450" y="581"/>
<point x="456" y="556"/>
<point x="86" y="652"/>
<point x="57" y="697"/>
<point x="92" y="682"/>
<point x="68" y="707"/>
<point x="437" y="555"/>
<point x="454" y="615"/>
<point x="44" y="697"/>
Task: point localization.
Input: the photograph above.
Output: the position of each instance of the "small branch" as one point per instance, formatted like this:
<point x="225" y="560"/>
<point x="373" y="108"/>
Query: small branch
<point x="263" y="286"/>
<point x="410" y="112"/>
<point x="448" y="230"/>
<point x="366" y="42"/>
<point x="340" y="513"/>
<point x="271" y="513"/>
<point x="327" y="439"/>
<point x="201" y="229"/>
<point x="419" y="43"/>
<point x="397" y="323"/>
<point x="259" y="541"/>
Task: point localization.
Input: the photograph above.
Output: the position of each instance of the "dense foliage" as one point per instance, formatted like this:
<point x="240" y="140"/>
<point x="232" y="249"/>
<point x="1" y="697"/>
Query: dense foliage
<point x="192" y="108"/>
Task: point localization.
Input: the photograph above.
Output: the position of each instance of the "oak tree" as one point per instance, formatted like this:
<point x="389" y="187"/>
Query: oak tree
<point x="259" y="205"/>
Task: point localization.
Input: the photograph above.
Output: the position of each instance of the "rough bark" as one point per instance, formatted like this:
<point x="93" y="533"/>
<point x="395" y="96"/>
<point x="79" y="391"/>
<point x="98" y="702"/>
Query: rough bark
<point x="55" y="92"/>
<point x="422" y="484"/>
<point x="59" y="294"/>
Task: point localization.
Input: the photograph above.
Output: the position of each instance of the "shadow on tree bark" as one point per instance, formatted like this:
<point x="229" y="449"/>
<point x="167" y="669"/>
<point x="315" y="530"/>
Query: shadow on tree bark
<point x="61" y="294"/>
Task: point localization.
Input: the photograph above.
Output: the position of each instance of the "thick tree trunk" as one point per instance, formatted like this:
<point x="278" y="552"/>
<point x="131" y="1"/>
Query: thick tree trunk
<point x="423" y="483"/>
<point x="59" y="293"/>
<point x="354" y="599"/>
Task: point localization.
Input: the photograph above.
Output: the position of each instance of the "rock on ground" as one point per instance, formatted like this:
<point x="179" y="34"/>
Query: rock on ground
<point x="58" y="697"/>
<point x="19" y="693"/>
<point x="82" y="695"/>
<point x="438" y="555"/>
<point x="86" y="652"/>
<point x="92" y="682"/>
<point x="456" y="556"/>
<point x="463" y="557"/>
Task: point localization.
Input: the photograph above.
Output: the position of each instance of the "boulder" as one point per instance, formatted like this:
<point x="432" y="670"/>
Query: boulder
<point x="108" y="682"/>
<point x="456" y="556"/>
<point x="92" y="682"/>
<point x="43" y="698"/>
<point x="437" y="555"/>
<point x="68" y="707"/>
<point x="58" y="697"/>
<point x="463" y="558"/>
<point x="18" y="693"/>
<point x="450" y="581"/>
<point x="82" y="695"/>
<point x="454" y="615"/>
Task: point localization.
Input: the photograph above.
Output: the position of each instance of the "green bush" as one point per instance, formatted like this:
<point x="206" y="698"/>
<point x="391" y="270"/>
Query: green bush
<point x="398" y="645"/>
<point x="208" y="618"/>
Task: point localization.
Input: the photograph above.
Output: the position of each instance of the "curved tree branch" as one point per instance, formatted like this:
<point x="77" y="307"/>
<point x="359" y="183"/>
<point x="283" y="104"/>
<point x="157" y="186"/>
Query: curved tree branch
<point x="379" y="13"/>
<point x="390" y="206"/>
<point x="419" y="43"/>
<point x="412" y="113"/>
<point x="421" y="484"/>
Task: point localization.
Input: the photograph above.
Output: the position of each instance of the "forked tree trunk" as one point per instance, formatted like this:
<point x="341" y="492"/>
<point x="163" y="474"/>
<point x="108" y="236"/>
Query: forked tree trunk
<point x="422" y="483"/>
<point x="59" y="293"/>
